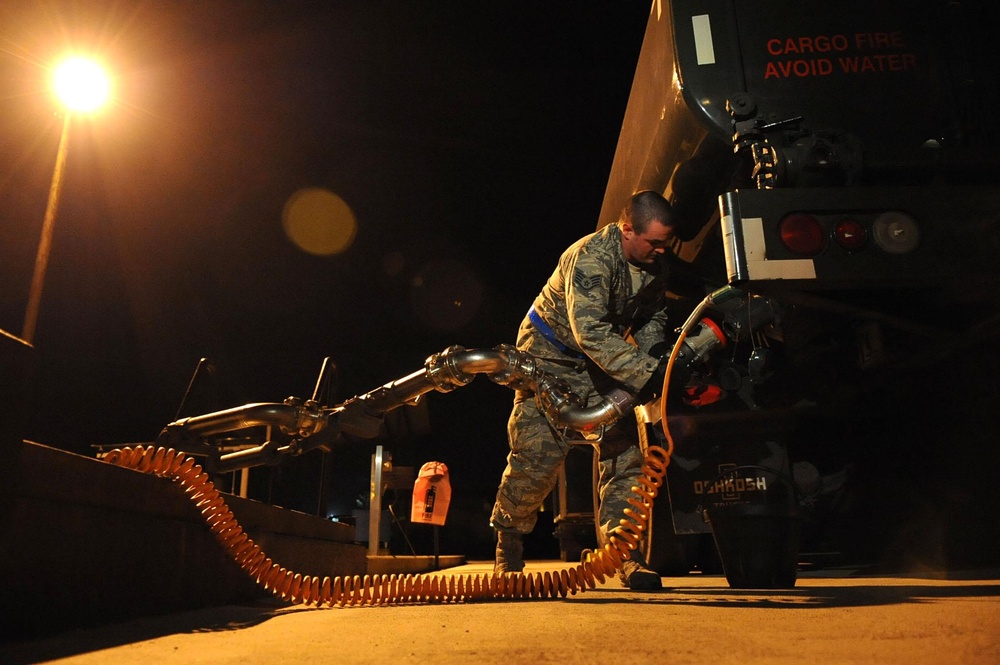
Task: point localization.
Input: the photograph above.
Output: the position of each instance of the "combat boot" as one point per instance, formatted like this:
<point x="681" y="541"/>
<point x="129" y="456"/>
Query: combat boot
<point x="637" y="576"/>
<point x="510" y="552"/>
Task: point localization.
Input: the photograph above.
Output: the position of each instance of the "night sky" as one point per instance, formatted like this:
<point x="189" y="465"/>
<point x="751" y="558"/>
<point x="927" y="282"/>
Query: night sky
<point x="471" y="140"/>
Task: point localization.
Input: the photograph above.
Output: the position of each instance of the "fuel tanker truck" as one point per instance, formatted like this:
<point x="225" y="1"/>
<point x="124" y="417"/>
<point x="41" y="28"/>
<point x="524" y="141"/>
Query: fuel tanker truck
<point x="835" y="167"/>
<point x="830" y="394"/>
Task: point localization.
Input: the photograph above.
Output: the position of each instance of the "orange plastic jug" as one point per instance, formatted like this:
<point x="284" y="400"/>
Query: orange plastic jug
<point x="431" y="494"/>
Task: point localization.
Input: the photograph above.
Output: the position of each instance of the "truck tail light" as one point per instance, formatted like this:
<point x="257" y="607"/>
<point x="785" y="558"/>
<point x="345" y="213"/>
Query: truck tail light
<point x="850" y="234"/>
<point x="802" y="233"/>
<point x="896" y="232"/>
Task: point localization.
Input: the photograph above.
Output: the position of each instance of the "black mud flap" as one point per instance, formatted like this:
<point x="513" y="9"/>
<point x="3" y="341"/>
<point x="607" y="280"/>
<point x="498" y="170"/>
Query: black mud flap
<point x="729" y="477"/>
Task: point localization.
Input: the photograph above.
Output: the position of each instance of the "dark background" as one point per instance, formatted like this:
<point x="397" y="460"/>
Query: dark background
<point x="472" y="140"/>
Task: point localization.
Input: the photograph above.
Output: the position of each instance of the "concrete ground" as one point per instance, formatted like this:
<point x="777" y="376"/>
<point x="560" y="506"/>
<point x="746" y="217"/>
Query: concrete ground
<point x="829" y="617"/>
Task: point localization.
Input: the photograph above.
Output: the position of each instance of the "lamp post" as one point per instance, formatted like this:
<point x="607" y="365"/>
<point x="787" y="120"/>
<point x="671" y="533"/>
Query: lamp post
<point x="83" y="87"/>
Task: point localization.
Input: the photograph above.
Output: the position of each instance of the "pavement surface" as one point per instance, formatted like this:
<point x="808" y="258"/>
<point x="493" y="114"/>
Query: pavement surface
<point x="830" y="617"/>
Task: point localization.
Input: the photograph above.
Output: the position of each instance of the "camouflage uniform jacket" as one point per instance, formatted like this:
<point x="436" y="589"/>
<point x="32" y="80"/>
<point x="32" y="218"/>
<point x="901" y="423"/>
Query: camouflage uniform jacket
<point x="586" y="293"/>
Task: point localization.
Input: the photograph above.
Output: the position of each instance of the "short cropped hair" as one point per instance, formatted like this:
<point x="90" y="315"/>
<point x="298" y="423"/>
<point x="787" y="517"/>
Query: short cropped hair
<point x="644" y="207"/>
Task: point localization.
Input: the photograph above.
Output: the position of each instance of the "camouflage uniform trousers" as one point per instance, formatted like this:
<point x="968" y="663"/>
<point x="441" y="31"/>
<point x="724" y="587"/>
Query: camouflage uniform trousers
<point x="537" y="451"/>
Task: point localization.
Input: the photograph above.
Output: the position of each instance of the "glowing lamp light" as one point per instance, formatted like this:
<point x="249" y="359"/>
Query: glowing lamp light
<point x="81" y="84"/>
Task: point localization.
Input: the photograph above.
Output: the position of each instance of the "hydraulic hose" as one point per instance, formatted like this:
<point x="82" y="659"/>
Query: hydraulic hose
<point x="717" y="297"/>
<point x="398" y="589"/>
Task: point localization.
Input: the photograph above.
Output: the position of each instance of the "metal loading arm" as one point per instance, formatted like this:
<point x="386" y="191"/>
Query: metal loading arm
<point x="311" y="425"/>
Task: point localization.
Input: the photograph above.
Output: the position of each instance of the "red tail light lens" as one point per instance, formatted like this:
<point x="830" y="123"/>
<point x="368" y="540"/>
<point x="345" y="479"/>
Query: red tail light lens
<point x="850" y="234"/>
<point x="802" y="233"/>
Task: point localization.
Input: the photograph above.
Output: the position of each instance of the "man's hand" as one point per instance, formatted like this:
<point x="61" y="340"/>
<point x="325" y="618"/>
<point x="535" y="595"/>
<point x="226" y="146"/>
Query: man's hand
<point x="654" y="386"/>
<point x="661" y="350"/>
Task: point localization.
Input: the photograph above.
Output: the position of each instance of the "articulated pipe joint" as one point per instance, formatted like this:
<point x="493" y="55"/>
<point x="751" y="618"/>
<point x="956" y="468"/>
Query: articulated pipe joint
<point x="557" y="393"/>
<point x="308" y="419"/>
<point x="565" y="410"/>
<point x="442" y="370"/>
<point x="558" y="401"/>
<point x="520" y="369"/>
<point x="619" y="402"/>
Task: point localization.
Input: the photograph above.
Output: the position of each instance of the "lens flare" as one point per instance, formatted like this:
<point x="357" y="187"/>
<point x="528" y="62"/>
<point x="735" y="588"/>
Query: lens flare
<point x="319" y="222"/>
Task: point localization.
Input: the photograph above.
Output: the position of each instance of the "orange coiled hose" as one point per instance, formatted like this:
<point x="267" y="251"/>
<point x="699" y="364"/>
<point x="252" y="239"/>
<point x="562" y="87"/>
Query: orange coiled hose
<point x="399" y="589"/>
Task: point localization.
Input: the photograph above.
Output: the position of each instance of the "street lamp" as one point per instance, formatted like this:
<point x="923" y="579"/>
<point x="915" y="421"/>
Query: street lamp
<point x="82" y="86"/>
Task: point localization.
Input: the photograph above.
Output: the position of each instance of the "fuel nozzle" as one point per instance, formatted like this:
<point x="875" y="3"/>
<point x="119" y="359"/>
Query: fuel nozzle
<point x="676" y="372"/>
<point x="704" y="337"/>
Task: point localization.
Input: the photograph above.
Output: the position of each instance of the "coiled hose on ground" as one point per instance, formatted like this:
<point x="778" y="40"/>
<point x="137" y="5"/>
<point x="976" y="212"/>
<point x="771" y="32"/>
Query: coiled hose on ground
<point x="398" y="589"/>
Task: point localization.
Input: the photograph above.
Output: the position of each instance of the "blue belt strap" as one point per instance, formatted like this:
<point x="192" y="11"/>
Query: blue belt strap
<point x="549" y="334"/>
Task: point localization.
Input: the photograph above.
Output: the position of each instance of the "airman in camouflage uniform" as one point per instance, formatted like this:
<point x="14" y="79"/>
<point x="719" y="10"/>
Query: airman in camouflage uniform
<point x="577" y="328"/>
